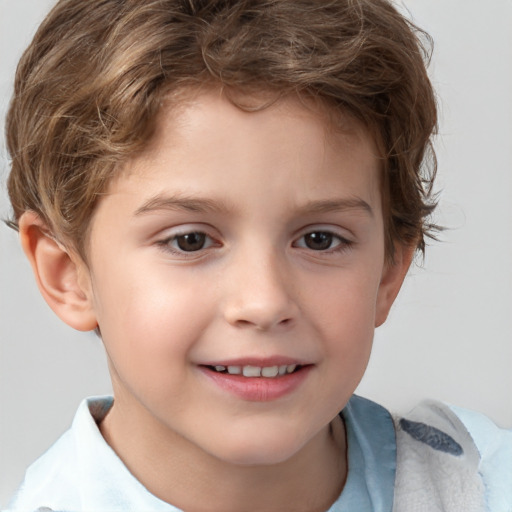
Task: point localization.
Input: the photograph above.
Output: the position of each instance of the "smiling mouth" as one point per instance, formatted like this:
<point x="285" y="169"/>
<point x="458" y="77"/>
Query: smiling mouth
<point x="255" y="382"/>
<point x="268" y="372"/>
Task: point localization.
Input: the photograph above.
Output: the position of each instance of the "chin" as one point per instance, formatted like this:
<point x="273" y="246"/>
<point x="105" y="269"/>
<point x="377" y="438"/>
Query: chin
<point x="260" y="450"/>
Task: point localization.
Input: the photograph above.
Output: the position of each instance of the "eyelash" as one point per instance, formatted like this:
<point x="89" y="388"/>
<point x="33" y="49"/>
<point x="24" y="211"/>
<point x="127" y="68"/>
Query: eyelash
<point x="167" y="246"/>
<point x="342" y="245"/>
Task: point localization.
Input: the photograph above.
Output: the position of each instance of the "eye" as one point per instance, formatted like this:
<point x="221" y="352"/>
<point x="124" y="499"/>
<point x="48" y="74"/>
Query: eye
<point x="322" y="241"/>
<point x="192" y="241"/>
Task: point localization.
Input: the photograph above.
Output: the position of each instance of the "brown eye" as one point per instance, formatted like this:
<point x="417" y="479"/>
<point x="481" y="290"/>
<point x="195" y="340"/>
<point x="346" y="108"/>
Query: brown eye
<point x="319" y="240"/>
<point x="191" y="241"/>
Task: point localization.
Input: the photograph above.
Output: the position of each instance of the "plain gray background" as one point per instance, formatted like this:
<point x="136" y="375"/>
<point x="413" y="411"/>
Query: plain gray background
<point x="449" y="335"/>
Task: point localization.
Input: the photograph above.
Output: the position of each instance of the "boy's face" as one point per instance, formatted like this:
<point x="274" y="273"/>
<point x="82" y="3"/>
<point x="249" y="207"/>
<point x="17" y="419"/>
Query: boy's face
<point x="242" y="240"/>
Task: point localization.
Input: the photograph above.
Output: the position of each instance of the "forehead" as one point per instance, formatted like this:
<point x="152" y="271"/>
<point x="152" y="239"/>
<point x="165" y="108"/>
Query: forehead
<point x="180" y="107"/>
<point x="291" y="148"/>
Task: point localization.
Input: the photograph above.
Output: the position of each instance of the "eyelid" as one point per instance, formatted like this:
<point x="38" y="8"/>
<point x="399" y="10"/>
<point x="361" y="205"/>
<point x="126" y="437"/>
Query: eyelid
<point x="185" y="229"/>
<point x="343" y="233"/>
<point x="345" y="242"/>
<point x="165" y="240"/>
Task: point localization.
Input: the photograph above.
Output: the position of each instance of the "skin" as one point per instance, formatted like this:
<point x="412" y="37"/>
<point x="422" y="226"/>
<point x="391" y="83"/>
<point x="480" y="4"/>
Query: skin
<point x="260" y="186"/>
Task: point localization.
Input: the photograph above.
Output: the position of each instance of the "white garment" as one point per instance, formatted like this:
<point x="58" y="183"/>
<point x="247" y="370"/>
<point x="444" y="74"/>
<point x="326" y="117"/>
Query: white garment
<point x="437" y="463"/>
<point x="82" y="473"/>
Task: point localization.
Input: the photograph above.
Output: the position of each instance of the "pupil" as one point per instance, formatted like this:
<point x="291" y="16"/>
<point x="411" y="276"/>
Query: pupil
<point x="318" y="241"/>
<point x="191" y="241"/>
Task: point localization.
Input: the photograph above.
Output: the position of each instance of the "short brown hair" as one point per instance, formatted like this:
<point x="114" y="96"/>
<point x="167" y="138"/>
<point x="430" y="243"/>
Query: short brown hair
<point x="90" y="84"/>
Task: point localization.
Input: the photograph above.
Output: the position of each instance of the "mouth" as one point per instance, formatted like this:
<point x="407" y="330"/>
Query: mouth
<point x="255" y="383"/>
<point x="265" y="372"/>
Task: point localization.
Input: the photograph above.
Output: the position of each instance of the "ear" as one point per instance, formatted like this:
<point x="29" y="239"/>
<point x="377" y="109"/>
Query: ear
<point x="392" y="278"/>
<point x="62" y="276"/>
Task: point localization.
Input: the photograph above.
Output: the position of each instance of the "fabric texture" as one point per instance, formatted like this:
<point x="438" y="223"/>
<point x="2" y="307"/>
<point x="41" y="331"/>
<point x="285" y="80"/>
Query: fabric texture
<point x="434" y="459"/>
<point x="82" y="473"/>
<point x="371" y="458"/>
<point x="495" y="447"/>
<point x="437" y="463"/>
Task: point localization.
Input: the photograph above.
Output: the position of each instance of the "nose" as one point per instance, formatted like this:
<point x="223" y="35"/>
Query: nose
<point x="260" y="292"/>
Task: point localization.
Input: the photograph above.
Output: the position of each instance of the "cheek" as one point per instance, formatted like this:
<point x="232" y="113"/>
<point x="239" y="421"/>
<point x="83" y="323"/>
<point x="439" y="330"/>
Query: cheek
<point x="344" y="313"/>
<point x="347" y="300"/>
<point x="150" y="320"/>
<point x="149" y="335"/>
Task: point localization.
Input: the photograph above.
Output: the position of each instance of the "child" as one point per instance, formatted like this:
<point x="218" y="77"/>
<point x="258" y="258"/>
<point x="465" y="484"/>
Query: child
<point x="230" y="193"/>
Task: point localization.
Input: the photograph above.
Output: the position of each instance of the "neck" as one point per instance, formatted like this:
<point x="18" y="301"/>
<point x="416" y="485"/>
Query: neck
<point x="178" y="472"/>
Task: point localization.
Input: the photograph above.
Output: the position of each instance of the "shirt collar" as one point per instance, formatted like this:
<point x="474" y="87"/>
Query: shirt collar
<point x="371" y="462"/>
<point x="371" y="458"/>
<point x="101" y="467"/>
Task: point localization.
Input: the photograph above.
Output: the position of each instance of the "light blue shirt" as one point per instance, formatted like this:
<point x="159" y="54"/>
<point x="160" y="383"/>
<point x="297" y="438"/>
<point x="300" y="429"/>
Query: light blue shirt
<point x="495" y="447"/>
<point x="80" y="472"/>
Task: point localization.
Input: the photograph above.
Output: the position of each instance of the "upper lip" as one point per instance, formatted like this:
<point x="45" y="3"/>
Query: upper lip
<point x="257" y="361"/>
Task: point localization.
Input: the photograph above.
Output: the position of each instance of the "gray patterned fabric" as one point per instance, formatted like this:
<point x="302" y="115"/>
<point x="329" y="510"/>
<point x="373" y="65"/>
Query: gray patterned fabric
<point x="437" y="463"/>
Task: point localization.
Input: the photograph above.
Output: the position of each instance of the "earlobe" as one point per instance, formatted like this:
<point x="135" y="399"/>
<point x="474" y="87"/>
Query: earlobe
<point x="61" y="276"/>
<point x="392" y="278"/>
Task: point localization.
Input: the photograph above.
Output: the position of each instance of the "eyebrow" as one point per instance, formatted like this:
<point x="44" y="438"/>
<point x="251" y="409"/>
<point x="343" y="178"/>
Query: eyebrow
<point x="337" y="205"/>
<point x="183" y="202"/>
<point x="204" y="205"/>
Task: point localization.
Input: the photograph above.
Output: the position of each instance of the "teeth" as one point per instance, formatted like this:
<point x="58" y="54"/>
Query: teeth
<point x="270" y="371"/>
<point x="251" y="371"/>
<point x="291" y="368"/>
<point x="257" y="371"/>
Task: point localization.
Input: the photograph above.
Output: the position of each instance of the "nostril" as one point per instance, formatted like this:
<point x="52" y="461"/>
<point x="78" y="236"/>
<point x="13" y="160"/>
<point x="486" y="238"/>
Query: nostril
<point x="263" y="324"/>
<point x="261" y="314"/>
<point x="243" y="323"/>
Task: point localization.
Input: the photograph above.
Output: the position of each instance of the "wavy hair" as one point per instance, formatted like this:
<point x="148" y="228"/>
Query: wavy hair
<point x="90" y="85"/>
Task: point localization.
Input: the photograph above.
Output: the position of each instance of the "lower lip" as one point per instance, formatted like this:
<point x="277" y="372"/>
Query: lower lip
<point x="258" y="389"/>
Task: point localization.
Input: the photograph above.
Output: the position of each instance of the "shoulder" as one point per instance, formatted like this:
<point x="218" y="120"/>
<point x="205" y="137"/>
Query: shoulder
<point x="53" y="481"/>
<point x="444" y="457"/>
<point x="49" y="478"/>
<point x="81" y="472"/>
<point x="494" y="445"/>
